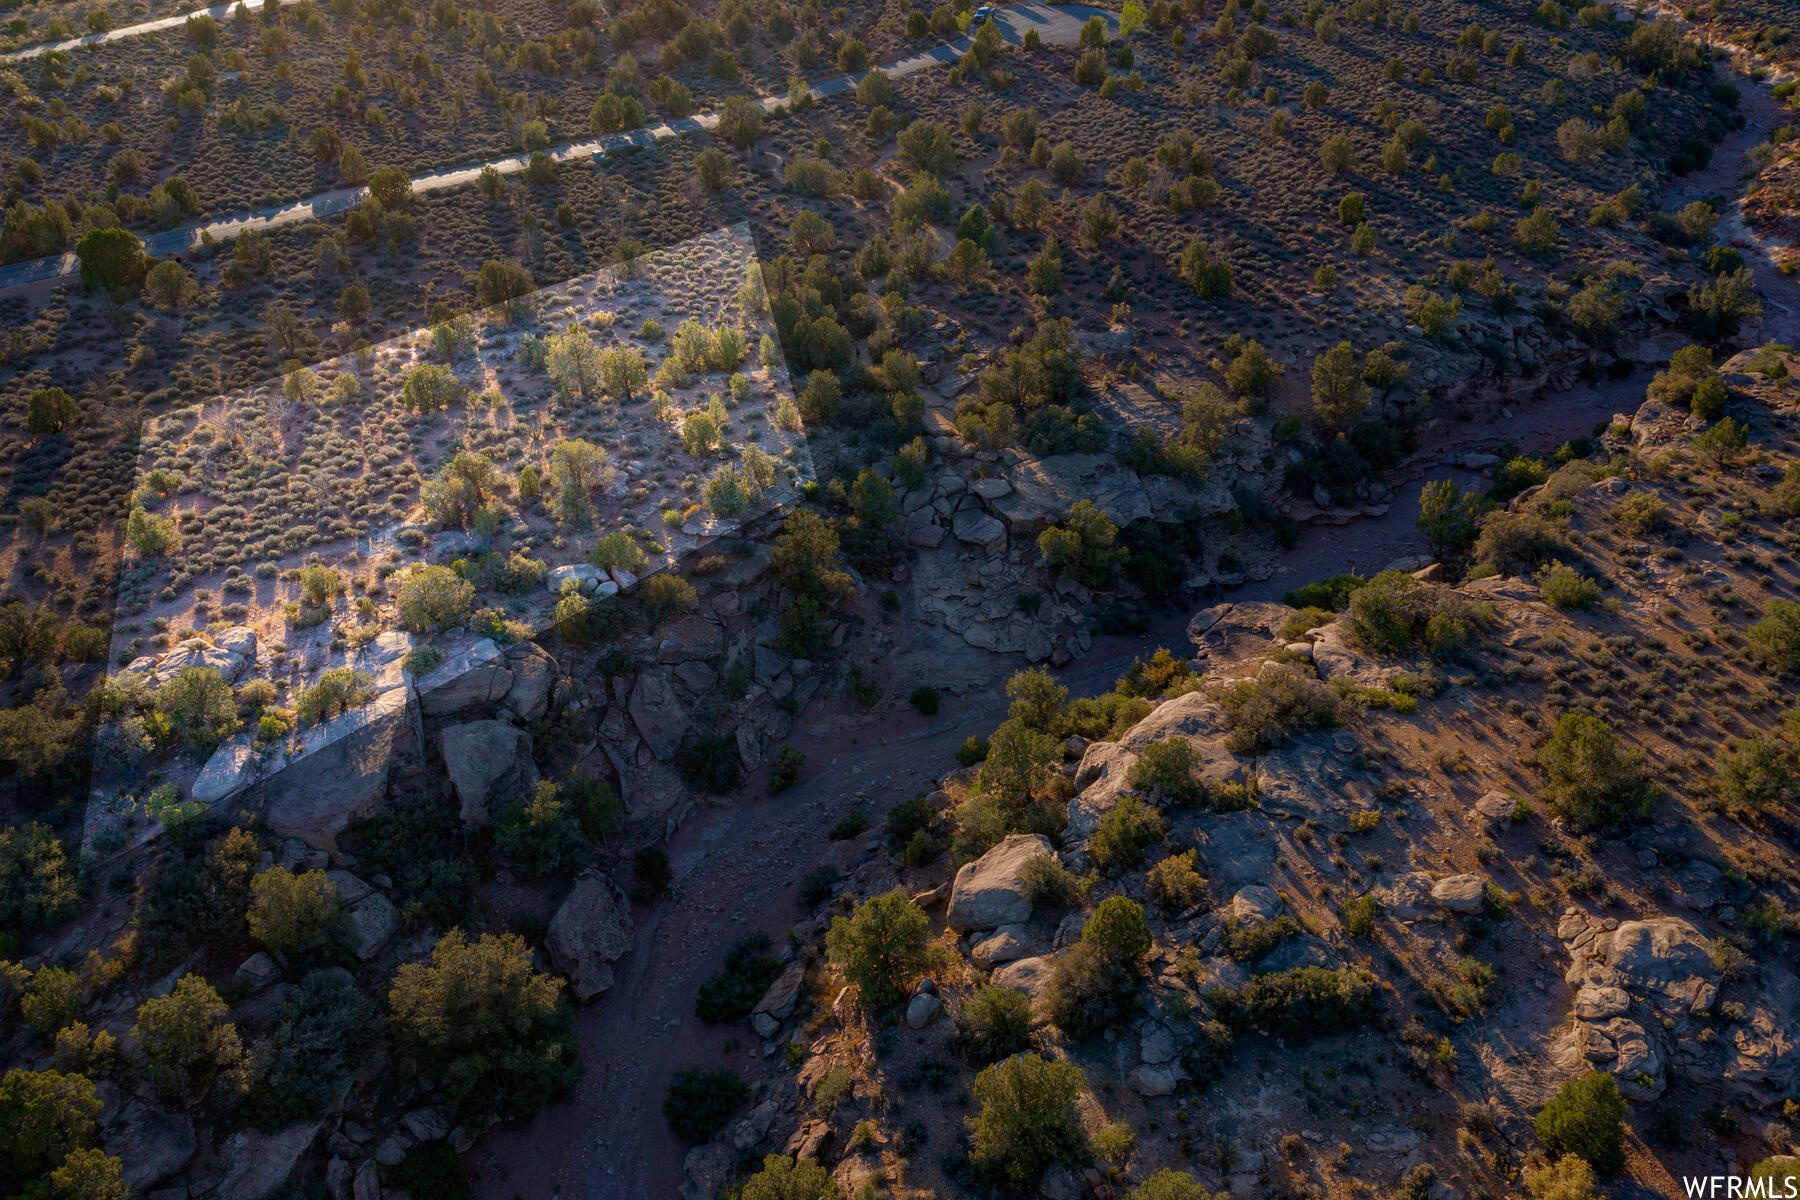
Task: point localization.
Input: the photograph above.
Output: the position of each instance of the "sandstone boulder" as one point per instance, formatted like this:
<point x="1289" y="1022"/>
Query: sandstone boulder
<point x="990" y="891"/>
<point x="1664" y="960"/>
<point x="1459" y="893"/>
<point x="661" y="719"/>
<point x="1028" y="975"/>
<point x="488" y="764"/>
<point x="590" y="931"/>
<point x="373" y="922"/>
<point x="1334" y="657"/>
<point x="1006" y="944"/>
<point x="1255" y="904"/>
<point x="534" y="673"/>
<point x="472" y="678"/>
<point x="261" y="1163"/>
<point x="339" y="772"/>
<point x="922" y="1009"/>
<point x="153" y="1145"/>
<point x="707" y="1169"/>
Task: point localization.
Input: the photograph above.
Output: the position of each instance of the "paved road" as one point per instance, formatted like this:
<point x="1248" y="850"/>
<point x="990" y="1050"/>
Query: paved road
<point x="218" y="12"/>
<point x="1060" y="25"/>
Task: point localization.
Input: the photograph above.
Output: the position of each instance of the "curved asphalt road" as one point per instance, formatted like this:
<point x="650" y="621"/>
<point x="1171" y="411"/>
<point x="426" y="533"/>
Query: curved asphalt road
<point x="1059" y="25"/>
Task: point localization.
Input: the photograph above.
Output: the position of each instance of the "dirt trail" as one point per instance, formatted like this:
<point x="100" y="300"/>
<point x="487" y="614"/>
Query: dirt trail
<point x="737" y="866"/>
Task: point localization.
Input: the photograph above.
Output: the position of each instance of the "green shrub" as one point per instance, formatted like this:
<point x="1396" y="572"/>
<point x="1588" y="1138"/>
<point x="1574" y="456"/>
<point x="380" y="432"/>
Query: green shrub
<point x="1118" y="930"/>
<point x="1776" y="638"/>
<point x="1358" y="915"/>
<point x="1586" y="1119"/>
<point x="734" y="991"/>
<point x="1089" y="992"/>
<point x="38" y="886"/>
<point x="1168" y="769"/>
<point x="338" y="690"/>
<point x="848" y="826"/>
<point x="881" y="946"/>
<point x="494" y="1033"/>
<point x="1125" y="832"/>
<point x="782" y="1178"/>
<point x="291" y="913"/>
<point x="1283" y="698"/>
<point x="196" y="708"/>
<point x="51" y="999"/>
<point x="1331" y="595"/>
<point x="543" y="835"/>
<point x="710" y="763"/>
<point x="1591" y="779"/>
<point x="1248" y="943"/>
<point x="1304" y="1002"/>
<point x="188" y="1045"/>
<point x="1396" y="613"/>
<point x="1757" y="774"/>
<point x="305" y="1061"/>
<point x="1204" y="1058"/>
<point x="818" y="885"/>
<point x="701" y="1102"/>
<point x="1048" y="883"/>
<point x="907" y="819"/>
<point x="1565" y="587"/>
<point x="1639" y="513"/>
<point x="1175" y="883"/>
<point x="995" y="1023"/>
<point x="1567" y="1178"/>
<point x="784" y="772"/>
<point x="925" y="700"/>
<point x="1515" y="542"/>
<point x="433" y="598"/>
<point x="1027" y="1118"/>
<point x="431" y="1169"/>
<point x="652" y="874"/>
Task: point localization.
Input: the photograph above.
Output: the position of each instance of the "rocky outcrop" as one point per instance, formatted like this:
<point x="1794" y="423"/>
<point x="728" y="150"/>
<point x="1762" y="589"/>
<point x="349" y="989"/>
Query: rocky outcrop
<point x="590" y="931"/>
<point x="1459" y="893"/>
<point x="373" y="923"/>
<point x="152" y="1144"/>
<point x="661" y="718"/>
<point x="488" y="764"/>
<point x="534" y="675"/>
<point x="1639" y="984"/>
<point x="779" y="1002"/>
<point x="991" y="891"/>
<point x="1664" y="960"/>
<point x="338" y="771"/>
<point x="472" y="678"/>
<point x="1334" y="656"/>
<point x="261" y="1163"/>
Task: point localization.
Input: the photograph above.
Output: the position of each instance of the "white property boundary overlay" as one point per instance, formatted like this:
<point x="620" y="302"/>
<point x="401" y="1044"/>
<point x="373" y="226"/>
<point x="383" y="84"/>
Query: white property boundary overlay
<point x="115" y="821"/>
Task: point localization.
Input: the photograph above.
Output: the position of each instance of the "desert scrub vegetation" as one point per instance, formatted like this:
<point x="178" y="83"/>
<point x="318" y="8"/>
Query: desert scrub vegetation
<point x="1394" y="613"/>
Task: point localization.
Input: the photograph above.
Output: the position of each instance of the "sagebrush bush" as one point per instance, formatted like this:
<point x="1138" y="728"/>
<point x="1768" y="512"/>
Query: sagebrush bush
<point x="1282" y="699"/>
<point x="1395" y="613"/>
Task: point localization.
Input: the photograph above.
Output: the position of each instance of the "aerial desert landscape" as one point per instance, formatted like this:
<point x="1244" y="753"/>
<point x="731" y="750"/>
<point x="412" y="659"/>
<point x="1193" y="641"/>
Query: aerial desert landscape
<point x="761" y="601"/>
